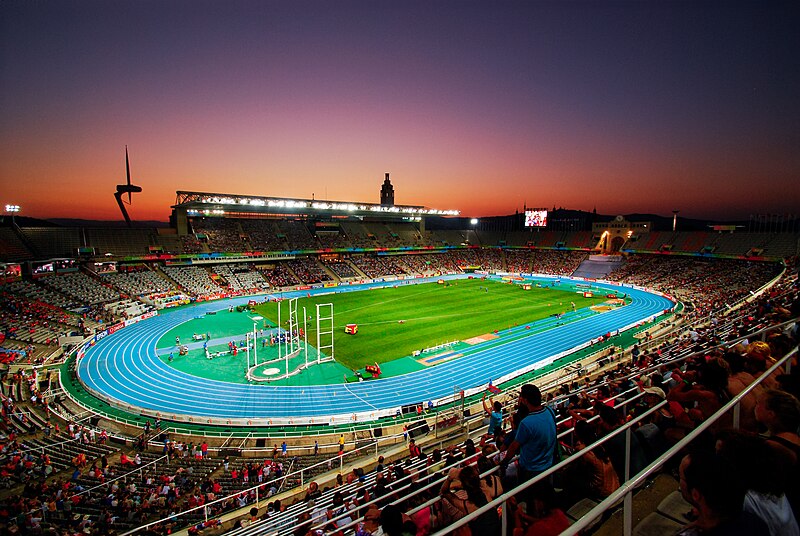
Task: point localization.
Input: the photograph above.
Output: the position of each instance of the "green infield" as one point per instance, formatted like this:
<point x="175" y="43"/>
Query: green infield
<point x="394" y="322"/>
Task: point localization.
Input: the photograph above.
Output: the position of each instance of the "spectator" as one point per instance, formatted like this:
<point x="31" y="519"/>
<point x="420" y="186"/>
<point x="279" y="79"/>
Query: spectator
<point x="593" y="475"/>
<point x="541" y="517"/>
<point x="779" y="412"/>
<point x="458" y="505"/>
<point x="712" y="487"/>
<point x="494" y="410"/>
<point x="762" y="476"/>
<point x="535" y="439"/>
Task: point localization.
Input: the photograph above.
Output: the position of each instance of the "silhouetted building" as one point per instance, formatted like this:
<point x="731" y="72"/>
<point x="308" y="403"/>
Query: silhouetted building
<point x="387" y="193"/>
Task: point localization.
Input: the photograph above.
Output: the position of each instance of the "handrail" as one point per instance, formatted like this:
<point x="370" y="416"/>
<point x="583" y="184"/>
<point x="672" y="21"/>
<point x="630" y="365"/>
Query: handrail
<point x="501" y="499"/>
<point x="236" y="494"/>
<point x="126" y="475"/>
<point x="564" y="433"/>
<point x="630" y="484"/>
<point x="627" y="487"/>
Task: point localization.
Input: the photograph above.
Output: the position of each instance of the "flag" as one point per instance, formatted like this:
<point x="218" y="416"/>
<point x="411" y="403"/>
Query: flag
<point x="493" y="389"/>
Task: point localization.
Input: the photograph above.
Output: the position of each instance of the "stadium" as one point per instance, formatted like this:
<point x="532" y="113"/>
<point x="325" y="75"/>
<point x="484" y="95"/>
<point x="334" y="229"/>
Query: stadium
<point x="342" y="331"/>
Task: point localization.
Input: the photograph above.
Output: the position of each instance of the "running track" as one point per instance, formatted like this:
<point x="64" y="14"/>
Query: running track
<point x="124" y="369"/>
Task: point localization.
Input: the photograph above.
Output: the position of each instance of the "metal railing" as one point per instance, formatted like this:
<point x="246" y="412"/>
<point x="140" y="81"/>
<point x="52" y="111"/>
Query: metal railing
<point x="625" y="491"/>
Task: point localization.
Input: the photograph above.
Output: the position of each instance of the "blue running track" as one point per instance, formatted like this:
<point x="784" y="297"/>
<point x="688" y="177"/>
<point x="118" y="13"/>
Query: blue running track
<point x="124" y="369"/>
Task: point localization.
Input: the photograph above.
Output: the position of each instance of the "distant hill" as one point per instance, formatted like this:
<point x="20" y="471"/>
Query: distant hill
<point x="67" y="222"/>
<point x="573" y="220"/>
<point x="26" y="221"/>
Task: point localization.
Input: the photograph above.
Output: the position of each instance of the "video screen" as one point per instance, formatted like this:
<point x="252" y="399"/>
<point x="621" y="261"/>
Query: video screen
<point x="535" y="218"/>
<point x="43" y="269"/>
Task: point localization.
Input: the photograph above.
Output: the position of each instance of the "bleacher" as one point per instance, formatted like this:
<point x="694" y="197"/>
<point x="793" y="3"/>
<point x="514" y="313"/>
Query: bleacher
<point x="712" y="285"/>
<point x="50" y="242"/>
<point x="12" y="249"/>
<point x="120" y="242"/>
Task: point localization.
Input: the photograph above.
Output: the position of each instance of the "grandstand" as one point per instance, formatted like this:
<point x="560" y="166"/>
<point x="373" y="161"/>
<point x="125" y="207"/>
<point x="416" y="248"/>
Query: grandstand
<point x="127" y="469"/>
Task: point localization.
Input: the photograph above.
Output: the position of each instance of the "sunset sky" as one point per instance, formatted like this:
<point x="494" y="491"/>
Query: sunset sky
<point x="477" y="106"/>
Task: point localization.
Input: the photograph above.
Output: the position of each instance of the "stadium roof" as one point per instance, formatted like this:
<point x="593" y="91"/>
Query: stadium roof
<point x="218" y="204"/>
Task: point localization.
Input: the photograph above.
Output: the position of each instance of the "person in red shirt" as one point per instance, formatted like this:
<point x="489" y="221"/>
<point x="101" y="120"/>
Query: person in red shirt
<point x="542" y="517"/>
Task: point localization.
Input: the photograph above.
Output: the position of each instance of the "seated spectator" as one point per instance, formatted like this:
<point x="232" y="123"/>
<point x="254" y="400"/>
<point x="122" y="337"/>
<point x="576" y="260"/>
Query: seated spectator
<point x="738" y="381"/>
<point x="471" y="497"/>
<point x="779" y="412"/>
<point x="490" y="484"/>
<point x="705" y="396"/>
<point x="610" y="420"/>
<point x="762" y="476"/>
<point x="712" y="487"/>
<point x="593" y="475"/>
<point x="542" y="517"/>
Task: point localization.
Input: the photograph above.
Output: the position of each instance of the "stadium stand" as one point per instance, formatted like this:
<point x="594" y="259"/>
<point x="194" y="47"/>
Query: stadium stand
<point x="340" y="268"/>
<point x="62" y="476"/>
<point x="82" y="288"/>
<point x="11" y="247"/>
<point x="48" y="242"/>
<point x="133" y="242"/>
<point x="193" y="279"/>
<point x="140" y="281"/>
<point x="242" y="278"/>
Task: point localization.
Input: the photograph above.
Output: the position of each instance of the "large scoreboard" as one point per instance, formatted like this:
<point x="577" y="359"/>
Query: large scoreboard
<point x="535" y="218"/>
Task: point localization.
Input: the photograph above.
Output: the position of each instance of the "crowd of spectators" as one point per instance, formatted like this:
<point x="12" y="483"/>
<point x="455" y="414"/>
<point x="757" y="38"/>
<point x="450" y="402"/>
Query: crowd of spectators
<point x="82" y="288"/>
<point x="308" y="270"/>
<point x="141" y="282"/>
<point x="190" y="244"/>
<point x="222" y="234"/>
<point x="709" y="285"/>
<point x="518" y="261"/>
<point x="383" y="266"/>
<point x="263" y="235"/>
<point x="280" y="276"/>
<point x="242" y="277"/>
<point x="194" y="279"/>
<point x="340" y="267"/>
<point x="557" y="262"/>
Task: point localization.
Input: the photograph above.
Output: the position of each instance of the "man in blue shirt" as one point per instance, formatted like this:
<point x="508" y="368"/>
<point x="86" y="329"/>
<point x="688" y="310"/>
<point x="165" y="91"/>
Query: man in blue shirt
<point x="536" y="436"/>
<point x="495" y="412"/>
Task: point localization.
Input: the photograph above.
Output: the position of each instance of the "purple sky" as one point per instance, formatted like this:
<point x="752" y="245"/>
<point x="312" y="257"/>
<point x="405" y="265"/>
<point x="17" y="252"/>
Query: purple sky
<point x="477" y="106"/>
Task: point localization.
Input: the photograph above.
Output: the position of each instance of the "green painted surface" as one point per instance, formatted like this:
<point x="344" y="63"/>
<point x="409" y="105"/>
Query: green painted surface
<point x="393" y="322"/>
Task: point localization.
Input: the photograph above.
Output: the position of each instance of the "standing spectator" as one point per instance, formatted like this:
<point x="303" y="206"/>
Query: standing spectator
<point x="535" y="439"/>
<point x="413" y="450"/>
<point x="494" y="410"/>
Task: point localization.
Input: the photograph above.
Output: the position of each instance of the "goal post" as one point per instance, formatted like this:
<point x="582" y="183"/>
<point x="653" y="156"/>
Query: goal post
<point x="325" y="332"/>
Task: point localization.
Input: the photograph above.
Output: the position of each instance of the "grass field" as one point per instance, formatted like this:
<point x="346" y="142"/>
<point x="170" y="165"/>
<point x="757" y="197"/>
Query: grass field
<point x="395" y="321"/>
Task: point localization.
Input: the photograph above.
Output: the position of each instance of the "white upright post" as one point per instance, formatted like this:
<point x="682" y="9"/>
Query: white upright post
<point x="279" y="330"/>
<point x="305" y="336"/>
<point x="247" y="343"/>
<point x="325" y="329"/>
<point x="255" y="345"/>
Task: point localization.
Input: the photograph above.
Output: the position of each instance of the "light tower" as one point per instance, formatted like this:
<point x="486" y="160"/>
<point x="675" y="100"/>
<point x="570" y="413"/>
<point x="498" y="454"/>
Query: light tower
<point x="12" y="209"/>
<point x="675" y="220"/>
